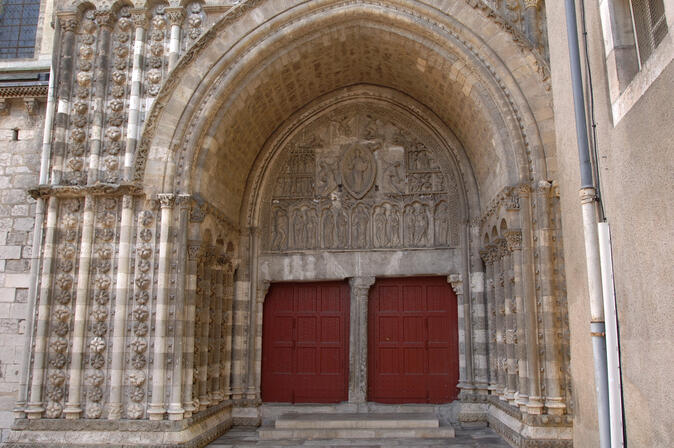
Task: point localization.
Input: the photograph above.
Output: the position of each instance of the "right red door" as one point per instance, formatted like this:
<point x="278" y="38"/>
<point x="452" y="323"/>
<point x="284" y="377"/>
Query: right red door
<point x="413" y="354"/>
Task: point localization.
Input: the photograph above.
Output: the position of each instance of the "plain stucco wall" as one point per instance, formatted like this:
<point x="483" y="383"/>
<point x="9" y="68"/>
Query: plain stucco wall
<point x="636" y="165"/>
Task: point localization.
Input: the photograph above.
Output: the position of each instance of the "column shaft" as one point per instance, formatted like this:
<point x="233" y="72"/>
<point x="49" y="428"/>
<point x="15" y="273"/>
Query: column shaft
<point x="360" y="288"/>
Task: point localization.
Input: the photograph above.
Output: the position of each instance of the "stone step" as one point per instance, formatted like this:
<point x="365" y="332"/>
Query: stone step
<point x="270" y="433"/>
<point x="357" y="421"/>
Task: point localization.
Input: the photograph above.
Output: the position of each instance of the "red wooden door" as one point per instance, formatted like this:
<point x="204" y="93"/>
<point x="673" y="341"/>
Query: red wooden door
<point x="305" y="343"/>
<point x="413" y="341"/>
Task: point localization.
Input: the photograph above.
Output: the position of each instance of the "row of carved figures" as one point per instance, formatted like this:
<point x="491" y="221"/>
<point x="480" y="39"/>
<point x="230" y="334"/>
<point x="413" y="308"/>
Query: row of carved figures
<point x="361" y="227"/>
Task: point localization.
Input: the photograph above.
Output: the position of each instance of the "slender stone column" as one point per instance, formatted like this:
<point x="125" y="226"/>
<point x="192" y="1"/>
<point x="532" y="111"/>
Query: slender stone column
<point x="514" y="238"/>
<point x="121" y="302"/>
<point x="69" y="23"/>
<point x="72" y="408"/>
<point x="175" y="409"/>
<point x="156" y="409"/>
<point x="554" y="401"/>
<point x="360" y="289"/>
<point x="510" y="325"/>
<point x="219" y="296"/>
<point x="254" y="305"/>
<point x="193" y="251"/>
<point x="499" y="317"/>
<point x="262" y="289"/>
<point x="140" y="20"/>
<point x="105" y="20"/>
<point x="465" y="345"/>
<point x="227" y="346"/>
<point x="531" y="20"/>
<point x="35" y="407"/>
<point x="175" y="17"/>
<point x="535" y="404"/>
<point x="240" y="309"/>
<point x="478" y="315"/>
<point x="488" y="256"/>
<point x="207" y="297"/>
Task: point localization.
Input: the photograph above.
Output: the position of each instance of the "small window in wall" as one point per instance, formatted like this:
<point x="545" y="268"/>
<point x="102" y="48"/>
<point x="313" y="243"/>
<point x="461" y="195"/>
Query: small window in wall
<point x="18" y="26"/>
<point x="650" y="26"/>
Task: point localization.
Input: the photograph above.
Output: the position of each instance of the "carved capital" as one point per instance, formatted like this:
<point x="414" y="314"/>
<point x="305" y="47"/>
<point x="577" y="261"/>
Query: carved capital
<point x="175" y="16"/>
<point x="262" y="289"/>
<point x="140" y="18"/>
<point x="166" y="200"/>
<point x="68" y="21"/>
<point x="531" y="4"/>
<point x="198" y="214"/>
<point x="104" y="18"/>
<point x="360" y="286"/>
<point x="524" y="190"/>
<point x="456" y="281"/>
<point x="514" y="240"/>
<point x="543" y="187"/>
<point x="183" y="201"/>
<point x="31" y="105"/>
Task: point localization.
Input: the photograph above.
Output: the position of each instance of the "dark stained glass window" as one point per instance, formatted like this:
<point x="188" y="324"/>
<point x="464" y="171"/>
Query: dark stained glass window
<point x="18" y="25"/>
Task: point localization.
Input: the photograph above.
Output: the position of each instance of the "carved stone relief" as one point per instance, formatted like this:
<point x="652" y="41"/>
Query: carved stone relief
<point x="361" y="178"/>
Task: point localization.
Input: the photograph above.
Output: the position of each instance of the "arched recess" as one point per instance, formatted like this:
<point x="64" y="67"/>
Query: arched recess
<point x="264" y="61"/>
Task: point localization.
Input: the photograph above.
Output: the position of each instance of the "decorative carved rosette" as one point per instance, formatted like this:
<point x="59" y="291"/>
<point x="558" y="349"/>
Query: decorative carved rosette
<point x="156" y="43"/>
<point x="193" y="23"/>
<point x="140" y="313"/>
<point x="63" y="302"/>
<point x="119" y="73"/>
<point x="80" y="115"/>
<point x="100" y="305"/>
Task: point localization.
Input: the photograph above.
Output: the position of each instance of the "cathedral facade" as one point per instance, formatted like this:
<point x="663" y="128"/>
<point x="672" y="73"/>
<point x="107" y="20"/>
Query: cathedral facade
<point x="328" y="201"/>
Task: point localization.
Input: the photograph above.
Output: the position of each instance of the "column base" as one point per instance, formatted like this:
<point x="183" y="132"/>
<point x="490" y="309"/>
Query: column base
<point x="555" y="406"/>
<point x="72" y="411"/>
<point x="115" y="411"/>
<point x="534" y="406"/>
<point x="156" y="412"/>
<point x="175" y="412"/>
<point x="34" y="411"/>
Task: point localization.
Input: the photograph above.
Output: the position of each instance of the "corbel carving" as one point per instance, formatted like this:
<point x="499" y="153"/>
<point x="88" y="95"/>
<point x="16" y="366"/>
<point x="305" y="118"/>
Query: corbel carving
<point x="31" y="105"/>
<point x="456" y="281"/>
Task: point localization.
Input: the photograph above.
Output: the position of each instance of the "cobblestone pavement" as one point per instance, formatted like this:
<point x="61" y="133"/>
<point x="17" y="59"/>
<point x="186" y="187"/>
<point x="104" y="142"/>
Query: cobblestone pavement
<point x="247" y="437"/>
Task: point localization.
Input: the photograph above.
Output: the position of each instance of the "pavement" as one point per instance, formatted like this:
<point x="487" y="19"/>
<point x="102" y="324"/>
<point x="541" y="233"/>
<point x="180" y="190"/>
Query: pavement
<point x="241" y="437"/>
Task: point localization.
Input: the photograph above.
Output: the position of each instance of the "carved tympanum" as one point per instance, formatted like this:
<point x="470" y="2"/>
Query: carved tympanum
<point x="360" y="177"/>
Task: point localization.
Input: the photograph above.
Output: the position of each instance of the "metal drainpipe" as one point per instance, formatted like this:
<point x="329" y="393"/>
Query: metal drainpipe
<point x="588" y="206"/>
<point x="36" y="248"/>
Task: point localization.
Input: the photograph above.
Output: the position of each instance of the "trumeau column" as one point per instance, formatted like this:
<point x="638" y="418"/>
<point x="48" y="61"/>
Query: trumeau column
<point x="121" y="302"/>
<point x="465" y="344"/>
<point x="73" y="407"/>
<point x="360" y="289"/>
<point x="156" y="407"/>
<point x="140" y="21"/>
<point x="499" y="317"/>
<point x="176" y="410"/>
<point x="514" y="238"/>
<point x="193" y="253"/>
<point x="554" y="402"/>
<point x="35" y="406"/>
<point x="534" y="403"/>
<point x="175" y="17"/>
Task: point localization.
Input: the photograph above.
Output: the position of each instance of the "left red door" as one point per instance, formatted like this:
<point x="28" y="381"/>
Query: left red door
<point x="305" y="343"/>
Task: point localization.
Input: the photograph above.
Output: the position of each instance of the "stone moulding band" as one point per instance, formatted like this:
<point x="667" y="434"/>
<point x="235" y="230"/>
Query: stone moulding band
<point x="99" y="189"/>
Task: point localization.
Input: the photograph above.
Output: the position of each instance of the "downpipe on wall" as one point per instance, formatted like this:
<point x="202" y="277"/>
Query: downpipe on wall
<point x="589" y="199"/>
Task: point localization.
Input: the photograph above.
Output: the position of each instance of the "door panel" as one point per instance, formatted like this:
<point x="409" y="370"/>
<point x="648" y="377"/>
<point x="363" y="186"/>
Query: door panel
<point x="305" y="343"/>
<point x="413" y="341"/>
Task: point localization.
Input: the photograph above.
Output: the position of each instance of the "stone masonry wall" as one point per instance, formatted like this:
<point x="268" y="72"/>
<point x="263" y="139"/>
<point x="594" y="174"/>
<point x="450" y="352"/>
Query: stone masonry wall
<point x="19" y="170"/>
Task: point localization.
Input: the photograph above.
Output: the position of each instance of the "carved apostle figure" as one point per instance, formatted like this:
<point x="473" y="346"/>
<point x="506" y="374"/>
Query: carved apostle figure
<point x="359" y="229"/>
<point x="328" y="229"/>
<point x="342" y="226"/>
<point x="380" y="228"/>
<point x="298" y="229"/>
<point x="394" y="227"/>
<point x="420" y="225"/>
<point x="279" y="230"/>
